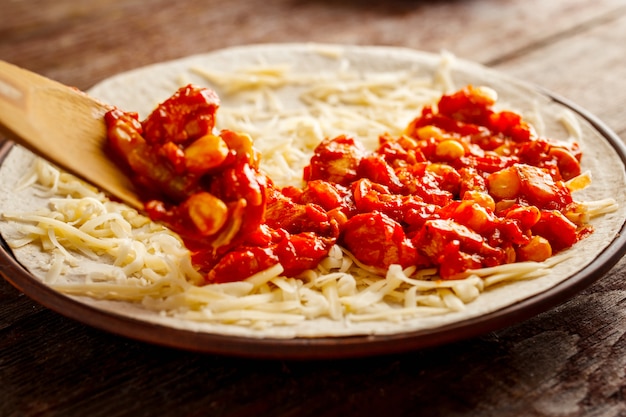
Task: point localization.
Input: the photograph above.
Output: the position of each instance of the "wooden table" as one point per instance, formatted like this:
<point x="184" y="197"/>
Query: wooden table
<point x="569" y="361"/>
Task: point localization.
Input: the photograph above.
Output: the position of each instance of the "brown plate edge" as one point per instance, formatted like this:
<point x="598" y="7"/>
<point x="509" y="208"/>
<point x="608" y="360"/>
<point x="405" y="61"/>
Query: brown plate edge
<point x="324" y="347"/>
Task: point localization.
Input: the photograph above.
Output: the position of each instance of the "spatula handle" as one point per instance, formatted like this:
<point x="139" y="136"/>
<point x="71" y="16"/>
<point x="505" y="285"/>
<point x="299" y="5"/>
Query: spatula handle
<point x="61" y="124"/>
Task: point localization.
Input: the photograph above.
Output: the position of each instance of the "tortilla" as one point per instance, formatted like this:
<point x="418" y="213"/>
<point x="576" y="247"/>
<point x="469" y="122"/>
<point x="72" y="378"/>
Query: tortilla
<point x="142" y="89"/>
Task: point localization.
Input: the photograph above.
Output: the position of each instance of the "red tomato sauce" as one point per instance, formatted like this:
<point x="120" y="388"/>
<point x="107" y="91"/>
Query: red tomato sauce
<point x="464" y="187"/>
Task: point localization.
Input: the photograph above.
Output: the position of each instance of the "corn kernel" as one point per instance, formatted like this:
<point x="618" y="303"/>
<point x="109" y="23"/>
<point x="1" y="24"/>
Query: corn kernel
<point x="484" y="95"/>
<point x="474" y="216"/>
<point x="207" y="212"/>
<point x="526" y="216"/>
<point x="205" y="153"/>
<point x="429" y="132"/>
<point x="242" y="144"/>
<point x="450" y="150"/>
<point x="482" y="199"/>
<point x="407" y="142"/>
<point x="504" y="184"/>
<point x="537" y="250"/>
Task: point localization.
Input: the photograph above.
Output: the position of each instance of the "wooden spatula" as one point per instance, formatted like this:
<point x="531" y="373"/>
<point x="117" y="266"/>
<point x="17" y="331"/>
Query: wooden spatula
<point x="63" y="125"/>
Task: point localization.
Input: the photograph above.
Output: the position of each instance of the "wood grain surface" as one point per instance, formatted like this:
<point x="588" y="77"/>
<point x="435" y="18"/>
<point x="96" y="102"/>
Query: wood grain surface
<point x="567" y="362"/>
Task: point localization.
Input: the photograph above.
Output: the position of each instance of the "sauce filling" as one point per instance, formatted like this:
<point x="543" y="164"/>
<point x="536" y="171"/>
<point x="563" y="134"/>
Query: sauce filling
<point x="464" y="187"/>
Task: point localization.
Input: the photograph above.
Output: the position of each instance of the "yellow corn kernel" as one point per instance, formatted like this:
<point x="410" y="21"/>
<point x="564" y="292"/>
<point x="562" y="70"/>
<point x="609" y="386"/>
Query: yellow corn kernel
<point x="440" y="169"/>
<point x="207" y="212"/>
<point x="526" y="216"/>
<point x="537" y="250"/>
<point x="503" y="150"/>
<point x="429" y="132"/>
<point x="504" y="184"/>
<point x="243" y="145"/>
<point x="338" y="216"/>
<point x="481" y="198"/>
<point x="205" y="153"/>
<point x="407" y="142"/>
<point x="475" y="216"/>
<point x="484" y="95"/>
<point x="450" y="150"/>
<point x="504" y="205"/>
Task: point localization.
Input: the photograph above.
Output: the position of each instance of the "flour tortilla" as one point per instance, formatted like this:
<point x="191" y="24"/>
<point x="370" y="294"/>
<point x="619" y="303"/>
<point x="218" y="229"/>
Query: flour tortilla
<point x="142" y="89"/>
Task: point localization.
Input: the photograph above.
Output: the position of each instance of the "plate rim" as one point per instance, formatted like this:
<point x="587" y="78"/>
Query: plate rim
<point x="327" y="347"/>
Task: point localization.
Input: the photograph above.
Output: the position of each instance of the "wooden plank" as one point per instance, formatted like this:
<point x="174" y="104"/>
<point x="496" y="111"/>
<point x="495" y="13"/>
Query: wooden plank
<point x="81" y="45"/>
<point x="589" y="68"/>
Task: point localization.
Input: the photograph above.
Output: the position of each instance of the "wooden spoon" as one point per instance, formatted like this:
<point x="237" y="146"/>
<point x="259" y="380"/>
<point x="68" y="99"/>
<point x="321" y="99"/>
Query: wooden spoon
<point x="64" y="126"/>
